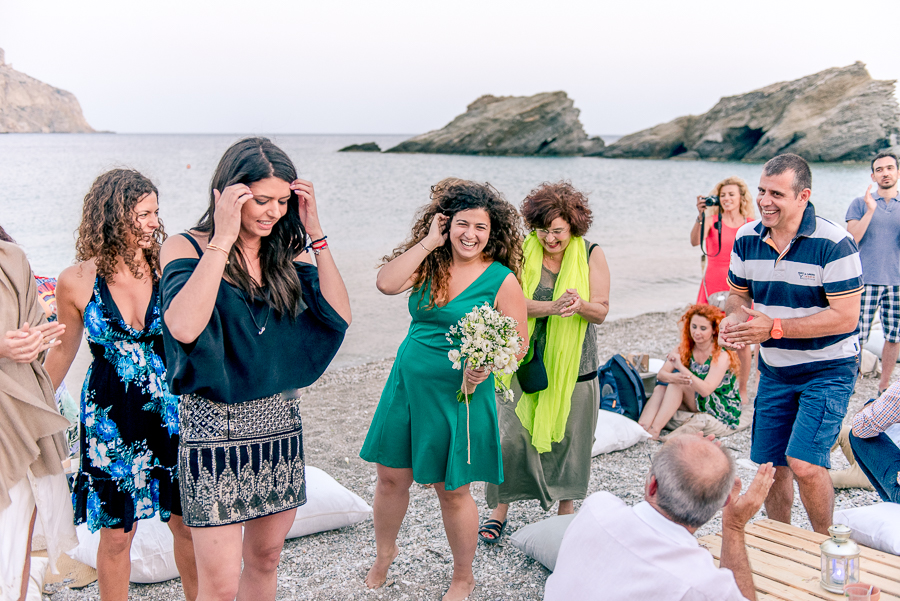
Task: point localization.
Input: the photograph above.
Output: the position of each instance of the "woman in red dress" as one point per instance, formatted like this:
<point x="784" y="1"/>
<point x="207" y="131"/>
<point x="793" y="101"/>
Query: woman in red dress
<point x="734" y="210"/>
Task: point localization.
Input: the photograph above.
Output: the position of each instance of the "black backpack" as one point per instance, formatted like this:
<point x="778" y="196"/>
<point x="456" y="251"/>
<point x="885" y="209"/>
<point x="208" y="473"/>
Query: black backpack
<point x="621" y="388"/>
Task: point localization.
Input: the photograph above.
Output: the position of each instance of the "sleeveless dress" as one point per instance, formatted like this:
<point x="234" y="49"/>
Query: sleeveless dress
<point x="724" y="403"/>
<point x="129" y="421"/>
<point x="563" y="473"/>
<point x="716" y="277"/>
<point x="419" y="424"/>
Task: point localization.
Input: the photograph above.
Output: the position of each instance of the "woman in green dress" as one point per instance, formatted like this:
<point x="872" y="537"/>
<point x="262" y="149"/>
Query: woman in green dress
<point x="463" y="251"/>
<point x="547" y="434"/>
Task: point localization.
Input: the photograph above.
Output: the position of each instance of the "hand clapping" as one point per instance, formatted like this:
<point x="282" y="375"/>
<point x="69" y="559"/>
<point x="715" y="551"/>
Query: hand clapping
<point x="26" y="344"/>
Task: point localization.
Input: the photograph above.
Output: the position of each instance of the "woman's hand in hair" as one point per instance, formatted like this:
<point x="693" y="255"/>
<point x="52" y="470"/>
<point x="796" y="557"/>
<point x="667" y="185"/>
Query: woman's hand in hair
<point x="227" y="217"/>
<point x="309" y="212"/>
<point x="437" y="231"/>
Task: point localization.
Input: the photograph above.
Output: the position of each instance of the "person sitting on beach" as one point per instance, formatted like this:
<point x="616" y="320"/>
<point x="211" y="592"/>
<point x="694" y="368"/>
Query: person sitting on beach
<point x="613" y="551"/>
<point x="874" y="448"/>
<point x="720" y="227"/>
<point x="702" y="396"/>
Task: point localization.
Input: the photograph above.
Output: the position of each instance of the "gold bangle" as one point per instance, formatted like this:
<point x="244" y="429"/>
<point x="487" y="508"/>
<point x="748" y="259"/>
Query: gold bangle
<point x="221" y="250"/>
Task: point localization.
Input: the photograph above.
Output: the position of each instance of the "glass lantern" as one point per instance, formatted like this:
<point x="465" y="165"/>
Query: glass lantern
<point x="840" y="559"/>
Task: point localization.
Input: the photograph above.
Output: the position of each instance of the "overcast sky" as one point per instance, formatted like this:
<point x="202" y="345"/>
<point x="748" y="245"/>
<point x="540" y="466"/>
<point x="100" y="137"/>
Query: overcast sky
<point x="334" y="66"/>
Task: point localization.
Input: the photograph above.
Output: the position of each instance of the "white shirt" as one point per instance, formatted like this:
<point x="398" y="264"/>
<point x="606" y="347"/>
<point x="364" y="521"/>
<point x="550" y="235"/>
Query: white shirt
<point x="612" y="551"/>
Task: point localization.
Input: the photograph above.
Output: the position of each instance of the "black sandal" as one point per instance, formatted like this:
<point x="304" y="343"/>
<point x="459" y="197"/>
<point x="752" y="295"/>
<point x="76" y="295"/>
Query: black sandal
<point x="494" y="529"/>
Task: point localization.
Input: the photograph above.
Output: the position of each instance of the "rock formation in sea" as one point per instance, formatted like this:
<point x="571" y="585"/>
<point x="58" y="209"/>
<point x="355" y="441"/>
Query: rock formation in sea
<point x="840" y="114"/>
<point x="365" y="147"/>
<point x="541" y="125"/>
<point x="30" y="106"/>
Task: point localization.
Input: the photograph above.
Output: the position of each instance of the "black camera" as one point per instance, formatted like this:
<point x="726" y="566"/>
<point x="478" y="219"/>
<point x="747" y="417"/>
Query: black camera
<point x="712" y="201"/>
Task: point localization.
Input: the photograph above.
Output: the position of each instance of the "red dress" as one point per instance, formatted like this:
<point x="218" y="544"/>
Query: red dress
<point x="716" y="276"/>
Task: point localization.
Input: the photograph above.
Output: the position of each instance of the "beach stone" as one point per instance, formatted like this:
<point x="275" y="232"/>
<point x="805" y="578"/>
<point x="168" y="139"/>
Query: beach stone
<point x="839" y="114"/>
<point x="545" y="124"/>
<point x="366" y="147"/>
<point x="31" y="106"/>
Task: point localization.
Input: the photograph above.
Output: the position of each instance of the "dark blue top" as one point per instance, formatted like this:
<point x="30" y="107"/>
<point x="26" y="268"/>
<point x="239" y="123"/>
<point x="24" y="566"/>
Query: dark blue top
<point x="820" y="263"/>
<point x="231" y="362"/>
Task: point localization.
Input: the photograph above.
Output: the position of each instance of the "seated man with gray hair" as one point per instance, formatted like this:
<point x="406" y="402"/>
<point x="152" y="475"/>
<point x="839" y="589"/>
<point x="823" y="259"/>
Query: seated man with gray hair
<point x="613" y="551"/>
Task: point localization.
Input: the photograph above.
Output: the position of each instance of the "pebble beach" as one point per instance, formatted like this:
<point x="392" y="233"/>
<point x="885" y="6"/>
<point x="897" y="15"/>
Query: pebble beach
<point x="332" y="565"/>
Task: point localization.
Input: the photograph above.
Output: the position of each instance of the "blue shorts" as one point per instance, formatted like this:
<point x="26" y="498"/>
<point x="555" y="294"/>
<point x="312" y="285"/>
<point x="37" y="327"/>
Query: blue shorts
<point x="800" y="417"/>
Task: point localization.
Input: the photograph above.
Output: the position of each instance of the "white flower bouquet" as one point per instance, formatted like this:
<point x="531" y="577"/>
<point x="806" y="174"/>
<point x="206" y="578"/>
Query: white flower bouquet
<point x="484" y="338"/>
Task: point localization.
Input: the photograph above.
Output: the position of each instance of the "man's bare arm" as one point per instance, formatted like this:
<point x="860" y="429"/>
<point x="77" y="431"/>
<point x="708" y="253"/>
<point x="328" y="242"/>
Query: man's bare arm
<point x="739" y="510"/>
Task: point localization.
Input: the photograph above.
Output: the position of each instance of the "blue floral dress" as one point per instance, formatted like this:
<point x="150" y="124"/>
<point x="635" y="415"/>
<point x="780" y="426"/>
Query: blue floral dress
<point x="129" y="421"/>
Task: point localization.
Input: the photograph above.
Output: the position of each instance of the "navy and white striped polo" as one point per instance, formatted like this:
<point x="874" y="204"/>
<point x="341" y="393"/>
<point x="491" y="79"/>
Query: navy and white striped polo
<point x="820" y="263"/>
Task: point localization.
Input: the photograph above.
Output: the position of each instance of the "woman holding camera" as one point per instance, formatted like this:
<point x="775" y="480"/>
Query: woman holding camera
<point x="733" y="209"/>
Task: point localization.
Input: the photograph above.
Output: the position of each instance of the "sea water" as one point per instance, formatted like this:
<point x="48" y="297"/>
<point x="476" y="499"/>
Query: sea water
<point x="643" y="209"/>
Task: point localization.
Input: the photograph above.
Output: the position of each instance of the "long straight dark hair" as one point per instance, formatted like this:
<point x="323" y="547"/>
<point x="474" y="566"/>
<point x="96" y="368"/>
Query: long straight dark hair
<point x="246" y="162"/>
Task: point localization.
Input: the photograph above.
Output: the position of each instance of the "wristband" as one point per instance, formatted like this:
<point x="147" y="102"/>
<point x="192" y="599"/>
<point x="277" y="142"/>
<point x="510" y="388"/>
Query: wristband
<point x="221" y="250"/>
<point x="317" y="249"/>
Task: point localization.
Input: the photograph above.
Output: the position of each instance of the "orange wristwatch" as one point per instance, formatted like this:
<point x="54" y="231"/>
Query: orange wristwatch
<point x="777" y="332"/>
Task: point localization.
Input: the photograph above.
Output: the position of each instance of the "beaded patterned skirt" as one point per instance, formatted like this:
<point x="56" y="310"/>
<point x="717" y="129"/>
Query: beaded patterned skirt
<point x="239" y="462"/>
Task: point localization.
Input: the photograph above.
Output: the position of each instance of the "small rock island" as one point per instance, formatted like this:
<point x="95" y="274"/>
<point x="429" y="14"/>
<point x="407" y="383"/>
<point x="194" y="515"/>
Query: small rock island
<point x="365" y="147"/>
<point x="545" y="124"/>
<point x="840" y="114"/>
<point x="31" y="106"/>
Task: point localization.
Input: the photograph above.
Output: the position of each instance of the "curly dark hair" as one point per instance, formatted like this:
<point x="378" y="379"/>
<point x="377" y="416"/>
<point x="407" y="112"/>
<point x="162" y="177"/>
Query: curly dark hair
<point x="561" y="199"/>
<point x="107" y="218"/>
<point x="449" y="197"/>
<point x="245" y="162"/>
<point x="4" y="236"/>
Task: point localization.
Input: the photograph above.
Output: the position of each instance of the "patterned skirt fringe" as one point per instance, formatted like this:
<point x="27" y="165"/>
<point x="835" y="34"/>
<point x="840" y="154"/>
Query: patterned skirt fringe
<point x="239" y="462"/>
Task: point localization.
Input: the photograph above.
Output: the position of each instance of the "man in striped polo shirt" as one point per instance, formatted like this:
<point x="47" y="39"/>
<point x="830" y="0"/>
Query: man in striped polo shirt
<point x="803" y="275"/>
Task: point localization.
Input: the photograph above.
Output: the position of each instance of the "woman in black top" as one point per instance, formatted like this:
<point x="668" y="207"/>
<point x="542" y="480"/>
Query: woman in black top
<point x="248" y="321"/>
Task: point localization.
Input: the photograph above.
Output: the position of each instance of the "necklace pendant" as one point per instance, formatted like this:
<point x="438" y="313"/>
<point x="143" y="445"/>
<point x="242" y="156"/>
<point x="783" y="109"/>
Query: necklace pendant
<point x="261" y="330"/>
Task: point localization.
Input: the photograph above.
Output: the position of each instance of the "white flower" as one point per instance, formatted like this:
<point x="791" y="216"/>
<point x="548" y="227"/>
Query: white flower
<point x="144" y="507"/>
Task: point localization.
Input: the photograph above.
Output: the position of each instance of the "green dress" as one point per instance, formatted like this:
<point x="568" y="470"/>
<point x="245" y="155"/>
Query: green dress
<point x="419" y="424"/>
<point x="724" y="403"/>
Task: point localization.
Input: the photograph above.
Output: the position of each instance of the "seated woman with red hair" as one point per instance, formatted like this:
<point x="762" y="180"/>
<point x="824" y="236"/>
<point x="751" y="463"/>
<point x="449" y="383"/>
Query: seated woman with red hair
<point x="696" y="388"/>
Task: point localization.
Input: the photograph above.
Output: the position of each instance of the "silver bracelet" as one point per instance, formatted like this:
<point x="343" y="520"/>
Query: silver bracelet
<point x="425" y="247"/>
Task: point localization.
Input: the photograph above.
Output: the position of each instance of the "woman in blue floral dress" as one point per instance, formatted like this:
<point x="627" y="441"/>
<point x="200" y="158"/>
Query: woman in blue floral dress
<point x="129" y="419"/>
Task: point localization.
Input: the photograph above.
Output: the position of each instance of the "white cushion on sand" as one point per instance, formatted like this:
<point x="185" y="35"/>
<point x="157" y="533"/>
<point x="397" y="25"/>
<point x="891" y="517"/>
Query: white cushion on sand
<point x="616" y="432"/>
<point x="39" y="567"/>
<point x="328" y="506"/>
<point x="152" y="555"/>
<point x="874" y="525"/>
<point x="541" y="541"/>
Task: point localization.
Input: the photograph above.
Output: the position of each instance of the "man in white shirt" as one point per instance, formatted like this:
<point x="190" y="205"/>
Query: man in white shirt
<point x="612" y="551"/>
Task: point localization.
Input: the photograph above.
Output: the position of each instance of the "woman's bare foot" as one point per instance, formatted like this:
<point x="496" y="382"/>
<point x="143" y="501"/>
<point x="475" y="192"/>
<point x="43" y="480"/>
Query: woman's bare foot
<point x="377" y="575"/>
<point x="654" y="433"/>
<point x="460" y="589"/>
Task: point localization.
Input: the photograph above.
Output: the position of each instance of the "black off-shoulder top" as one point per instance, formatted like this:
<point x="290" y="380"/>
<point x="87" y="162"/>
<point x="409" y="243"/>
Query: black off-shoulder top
<point x="231" y="362"/>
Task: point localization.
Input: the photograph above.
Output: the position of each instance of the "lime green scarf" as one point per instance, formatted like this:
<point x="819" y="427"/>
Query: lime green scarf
<point x="544" y="413"/>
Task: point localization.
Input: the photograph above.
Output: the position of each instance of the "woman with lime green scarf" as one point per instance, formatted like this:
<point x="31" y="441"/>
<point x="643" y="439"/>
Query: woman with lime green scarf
<point x="546" y="435"/>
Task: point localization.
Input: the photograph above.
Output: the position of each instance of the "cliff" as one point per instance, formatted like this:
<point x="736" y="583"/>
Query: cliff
<point x="541" y="125"/>
<point x="840" y="114"/>
<point x="30" y="106"/>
